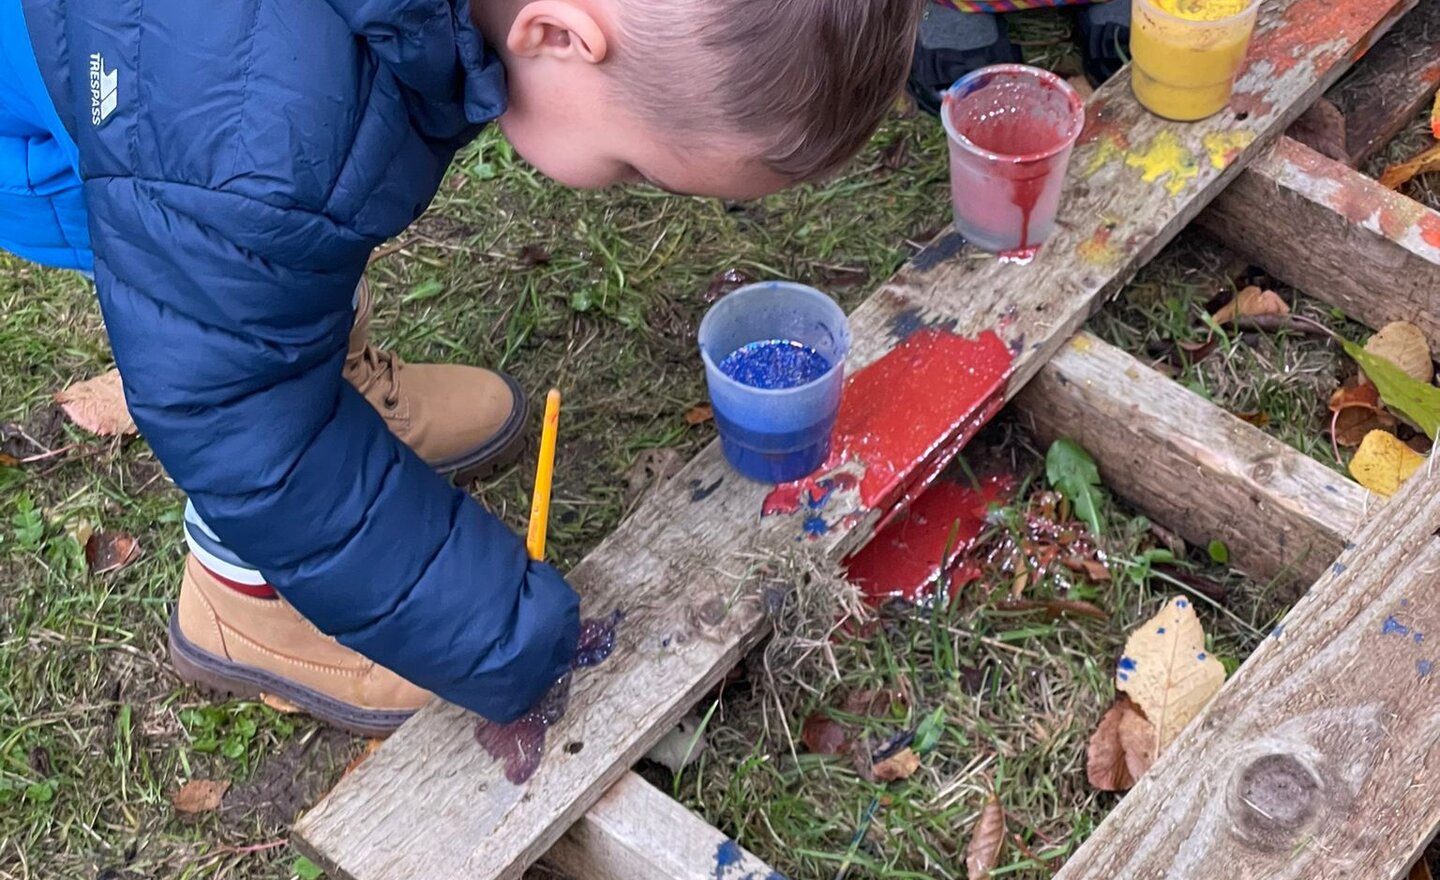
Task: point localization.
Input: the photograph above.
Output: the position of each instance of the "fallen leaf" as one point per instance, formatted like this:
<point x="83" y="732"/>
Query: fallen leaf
<point x="823" y="735"/>
<point x="1404" y="345"/>
<point x="699" y="415"/>
<point x="987" y="840"/>
<point x="1167" y="672"/>
<point x="1259" y="418"/>
<point x="682" y="746"/>
<point x="871" y="703"/>
<point x="370" y="747"/>
<point x="98" y="405"/>
<point x="1122" y="748"/>
<point x="199" y="796"/>
<point x="1250" y="302"/>
<point x="1435" y="117"/>
<point x="1071" y="470"/>
<point x="1420" y="443"/>
<point x="1415" y="400"/>
<point x="1093" y="569"/>
<point x="1212" y="590"/>
<point x="725" y="282"/>
<point x="1399" y="174"/>
<point x="110" y="551"/>
<point x="279" y="704"/>
<point x="1355" y="411"/>
<point x="1054" y="607"/>
<point x="651" y="468"/>
<point x="901" y="765"/>
<point x="1383" y="462"/>
<point x="1322" y="129"/>
<point x="9" y="461"/>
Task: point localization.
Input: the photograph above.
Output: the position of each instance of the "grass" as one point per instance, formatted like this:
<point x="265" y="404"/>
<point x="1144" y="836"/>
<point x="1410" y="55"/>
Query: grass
<point x="601" y="294"/>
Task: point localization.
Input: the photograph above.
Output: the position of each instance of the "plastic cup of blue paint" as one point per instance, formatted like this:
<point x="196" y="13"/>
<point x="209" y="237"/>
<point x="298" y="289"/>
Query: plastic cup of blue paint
<point x="774" y="358"/>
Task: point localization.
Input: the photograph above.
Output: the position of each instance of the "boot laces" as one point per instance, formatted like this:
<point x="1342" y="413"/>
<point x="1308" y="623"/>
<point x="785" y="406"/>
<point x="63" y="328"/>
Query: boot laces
<point x="379" y="368"/>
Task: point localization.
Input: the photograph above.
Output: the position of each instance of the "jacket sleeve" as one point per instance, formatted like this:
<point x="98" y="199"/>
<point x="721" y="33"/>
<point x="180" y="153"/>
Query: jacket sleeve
<point x="232" y="364"/>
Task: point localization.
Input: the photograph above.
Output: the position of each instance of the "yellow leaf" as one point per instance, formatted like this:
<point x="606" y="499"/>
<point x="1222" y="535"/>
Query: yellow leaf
<point x="1167" y="672"/>
<point x="1250" y="302"/>
<point x="1399" y="174"/>
<point x="1382" y="463"/>
<point x="1435" y="117"/>
<point x="98" y="405"/>
<point x="987" y="840"/>
<point x="1404" y="345"/>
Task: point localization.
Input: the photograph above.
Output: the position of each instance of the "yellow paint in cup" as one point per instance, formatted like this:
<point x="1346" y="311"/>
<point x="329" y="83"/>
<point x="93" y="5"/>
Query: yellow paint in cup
<point x="1187" y="53"/>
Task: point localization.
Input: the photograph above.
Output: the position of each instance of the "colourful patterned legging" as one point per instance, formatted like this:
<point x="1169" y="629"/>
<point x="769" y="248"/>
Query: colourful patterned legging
<point x="1008" y="5"/>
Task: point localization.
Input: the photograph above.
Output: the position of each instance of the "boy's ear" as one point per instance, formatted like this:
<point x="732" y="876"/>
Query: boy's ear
<point x="557" y="29"/>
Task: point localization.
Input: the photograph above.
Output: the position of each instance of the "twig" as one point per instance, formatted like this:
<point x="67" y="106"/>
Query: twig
<point x="53" y="453"/>
<point x="1276" y="323"/>
<point x="254" y="847"/>
<point x="384" y="251"/>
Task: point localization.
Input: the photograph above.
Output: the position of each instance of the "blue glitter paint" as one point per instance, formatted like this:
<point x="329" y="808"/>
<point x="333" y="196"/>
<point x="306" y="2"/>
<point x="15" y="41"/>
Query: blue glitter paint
<point x="1127" y="664"/>
<point x="1393" y="627"/>
<point x="775" y="363"/>
<point x="1424" y="667"/>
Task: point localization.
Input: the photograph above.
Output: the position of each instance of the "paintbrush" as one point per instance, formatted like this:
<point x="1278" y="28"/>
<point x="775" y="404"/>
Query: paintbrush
<point x="544" y="473"/>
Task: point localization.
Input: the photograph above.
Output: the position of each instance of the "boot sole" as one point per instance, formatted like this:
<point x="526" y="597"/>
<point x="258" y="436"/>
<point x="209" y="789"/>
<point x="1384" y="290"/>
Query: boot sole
<point x="500" y="451"/>
<point x="230" y="680"/>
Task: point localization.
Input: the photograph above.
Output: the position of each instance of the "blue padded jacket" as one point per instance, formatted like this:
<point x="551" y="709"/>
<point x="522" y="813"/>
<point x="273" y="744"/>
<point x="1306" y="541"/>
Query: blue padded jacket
<point x="236" y="164"/>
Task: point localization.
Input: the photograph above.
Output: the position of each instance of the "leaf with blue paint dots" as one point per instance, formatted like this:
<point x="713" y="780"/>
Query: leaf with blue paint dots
<point x="1167" y="670"/>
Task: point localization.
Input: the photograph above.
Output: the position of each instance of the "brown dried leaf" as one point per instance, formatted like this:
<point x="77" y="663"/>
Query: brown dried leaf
<point x="872" y="703"/>
<point x="98" y="405"/>
<point x="1259" y="418"/>
<point x="370" y="747"/>
<point x="110" y="551"/>
<point x="1399" y="174"/>
<point x="1054" y="607"/>
<point x="1250" y="302"/>
<point x="725" y="282"/>
<point x="1404" y="345"/>
<point x="1122" y="748"/>
<point x="532" y="255"/>
<point x="279" y="704"/>
<point x="823" y="735"/>
<point x="9" y="461"/>
<point x="987" y="841"/>
<point x="199" y="796"/>
<point x="901" y="765"/>
<point x="699" y="415"/>
<point x="1356" y="411"/>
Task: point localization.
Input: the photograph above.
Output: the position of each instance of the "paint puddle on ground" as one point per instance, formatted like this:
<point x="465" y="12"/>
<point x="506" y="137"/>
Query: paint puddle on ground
<point x="520" y="745"/>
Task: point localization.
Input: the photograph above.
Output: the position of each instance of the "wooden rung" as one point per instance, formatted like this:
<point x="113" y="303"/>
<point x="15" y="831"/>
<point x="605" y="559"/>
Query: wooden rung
<point x="429" y="803"/>
<point x="636" y="832"/>
<point x="1315" y="760"/>
<point x="1194" y="468"/>
<point x="1336" y="234"/>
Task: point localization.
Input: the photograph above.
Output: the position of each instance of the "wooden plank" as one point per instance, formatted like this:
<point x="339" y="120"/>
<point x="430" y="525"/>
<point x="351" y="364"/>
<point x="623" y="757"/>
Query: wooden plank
<point x="1191" y="466"/>
<point x="1391" y="83"/>
<point x="430" y="803"/>
<point x="1317" y="757"/>
<point x="1336" y="234"/>
<point x="636" y="832"/>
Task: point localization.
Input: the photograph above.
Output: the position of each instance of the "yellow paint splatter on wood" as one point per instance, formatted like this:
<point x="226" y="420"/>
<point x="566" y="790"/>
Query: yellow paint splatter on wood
<point x="1108" y="149"/>
<point x="1097" y="248"/>
<point x="1165" y="158"/>
<point x="1225" y="146"/>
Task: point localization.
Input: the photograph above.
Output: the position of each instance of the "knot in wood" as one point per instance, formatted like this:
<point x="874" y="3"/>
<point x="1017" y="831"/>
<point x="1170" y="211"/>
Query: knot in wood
<point x="1262" y="471"/>
<point x="712" y="613"/>
<point x="1273" y="800"/>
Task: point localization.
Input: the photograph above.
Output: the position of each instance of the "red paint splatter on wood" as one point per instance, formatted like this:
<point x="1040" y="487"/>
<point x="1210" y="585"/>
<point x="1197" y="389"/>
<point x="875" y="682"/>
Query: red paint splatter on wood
<point x="1100" y="122"/>
<point x="1250" y="105"/>
<point x="1359" y="199"/>
<point x="906" y="559"/>
<point x="1430" y="229"/>
<point x="1320" y="31"/>
<point x="902" y="419"/>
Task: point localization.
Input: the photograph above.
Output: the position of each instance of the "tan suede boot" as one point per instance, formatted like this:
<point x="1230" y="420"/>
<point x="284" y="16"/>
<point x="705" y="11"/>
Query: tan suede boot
<point x="237" y="645"/>
<point x="466" y="422"/>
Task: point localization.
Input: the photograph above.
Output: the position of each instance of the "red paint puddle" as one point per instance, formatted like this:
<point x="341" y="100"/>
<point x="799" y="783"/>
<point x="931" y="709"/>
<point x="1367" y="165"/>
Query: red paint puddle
<point x="906" y="559"/>
<point x="902" y="419"/>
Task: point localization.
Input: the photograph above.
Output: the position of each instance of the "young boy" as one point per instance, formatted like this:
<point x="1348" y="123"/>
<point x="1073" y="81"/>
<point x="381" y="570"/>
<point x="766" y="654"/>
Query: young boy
<point x="224" y="170"/>
<point x="958" y="36"/>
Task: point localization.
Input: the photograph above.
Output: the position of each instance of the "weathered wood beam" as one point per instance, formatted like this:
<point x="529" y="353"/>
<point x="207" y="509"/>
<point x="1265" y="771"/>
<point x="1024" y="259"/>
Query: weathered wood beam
<point x="1336" y="234"/>
<point x="636" y="832"/>
<point x="1193" y="467"/>
<point x="1317" y="759"/>
<point x="430" y="803"/>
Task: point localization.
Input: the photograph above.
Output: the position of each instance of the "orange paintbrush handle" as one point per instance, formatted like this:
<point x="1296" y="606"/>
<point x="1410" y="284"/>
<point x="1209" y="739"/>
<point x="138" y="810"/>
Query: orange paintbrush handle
<point x="544" y="472"/>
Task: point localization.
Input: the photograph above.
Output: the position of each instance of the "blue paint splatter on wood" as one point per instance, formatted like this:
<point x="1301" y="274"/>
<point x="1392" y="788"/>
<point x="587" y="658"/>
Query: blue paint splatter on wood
<point x="1338" y="568"/>
<point x="1160" y="631"/>
<point x="940" y="250"/>
<point x="1419" y="637"/>
<point x="1393" y="627"/>
<point x="1404" y="603"/>
<point x="1424" y="667"/>
<point x="700" y="493"/>
<point x="727" y="855"/>
<point x="1127" y="664"/>
<point x="1277" y="631"/>
<point x="1200" y="656"/>
<point x="815" y="502"/>
<point x="816" y="526"/>
<point x="775" y="363"/>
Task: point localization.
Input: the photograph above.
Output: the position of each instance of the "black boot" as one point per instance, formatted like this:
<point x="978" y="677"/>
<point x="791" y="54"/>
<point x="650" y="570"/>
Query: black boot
<point x="1104" y="39"/>
<point x="951" y="44"/>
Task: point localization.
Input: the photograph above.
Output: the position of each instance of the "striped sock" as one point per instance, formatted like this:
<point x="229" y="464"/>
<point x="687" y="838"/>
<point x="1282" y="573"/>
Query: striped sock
<point x="220" y="562"/>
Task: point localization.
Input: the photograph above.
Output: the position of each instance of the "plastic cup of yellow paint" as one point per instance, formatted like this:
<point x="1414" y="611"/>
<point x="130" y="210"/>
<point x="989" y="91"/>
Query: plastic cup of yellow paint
<point x="1187" y="53"/>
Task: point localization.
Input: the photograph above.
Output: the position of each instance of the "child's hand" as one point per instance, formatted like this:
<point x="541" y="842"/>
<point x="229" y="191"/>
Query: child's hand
<point x="521" y="743"/>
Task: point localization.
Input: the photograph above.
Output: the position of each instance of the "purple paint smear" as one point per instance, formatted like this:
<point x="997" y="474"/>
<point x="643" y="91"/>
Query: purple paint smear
<point x="520" y="744"/>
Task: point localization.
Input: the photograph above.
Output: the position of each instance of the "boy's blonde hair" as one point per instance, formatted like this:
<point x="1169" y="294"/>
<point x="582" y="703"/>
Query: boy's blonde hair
<point x="811" y="79"/>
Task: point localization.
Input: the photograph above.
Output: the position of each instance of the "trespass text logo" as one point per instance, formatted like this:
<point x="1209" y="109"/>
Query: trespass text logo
<point x="104" y="89"/>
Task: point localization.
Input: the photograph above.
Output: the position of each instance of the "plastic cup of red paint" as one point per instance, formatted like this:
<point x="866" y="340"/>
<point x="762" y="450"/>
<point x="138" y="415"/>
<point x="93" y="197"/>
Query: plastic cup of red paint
<point x="774" y="358"/>
<point x="1011" y="128"/>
